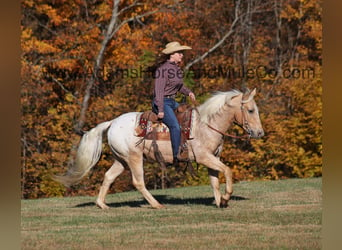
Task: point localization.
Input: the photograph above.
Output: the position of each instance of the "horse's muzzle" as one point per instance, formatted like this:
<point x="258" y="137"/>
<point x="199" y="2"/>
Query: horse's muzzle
<point x="257" y="133"/>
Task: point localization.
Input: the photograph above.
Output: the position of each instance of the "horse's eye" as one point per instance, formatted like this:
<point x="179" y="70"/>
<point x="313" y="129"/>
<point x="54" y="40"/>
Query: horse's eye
<point x="251" y="111"/>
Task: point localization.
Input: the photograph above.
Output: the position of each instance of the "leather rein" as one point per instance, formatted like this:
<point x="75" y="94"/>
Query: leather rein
<point x="244" y="126"/>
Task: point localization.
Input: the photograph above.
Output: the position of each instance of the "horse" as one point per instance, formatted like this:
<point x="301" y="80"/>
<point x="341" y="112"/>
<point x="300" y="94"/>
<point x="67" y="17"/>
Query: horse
<point x="212" y="119"/>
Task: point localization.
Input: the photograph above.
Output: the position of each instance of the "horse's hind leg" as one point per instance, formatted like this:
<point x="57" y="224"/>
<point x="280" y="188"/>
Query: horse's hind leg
<point x="115" y="170"/>
<point x="136" y="165"/>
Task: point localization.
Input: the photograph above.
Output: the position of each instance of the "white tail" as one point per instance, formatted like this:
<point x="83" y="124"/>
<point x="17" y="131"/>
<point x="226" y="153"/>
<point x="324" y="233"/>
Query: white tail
<point x="88" y="154"/>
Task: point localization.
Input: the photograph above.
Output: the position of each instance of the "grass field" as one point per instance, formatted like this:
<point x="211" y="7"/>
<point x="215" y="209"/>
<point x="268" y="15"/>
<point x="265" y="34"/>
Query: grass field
<point x="284" y="214"/>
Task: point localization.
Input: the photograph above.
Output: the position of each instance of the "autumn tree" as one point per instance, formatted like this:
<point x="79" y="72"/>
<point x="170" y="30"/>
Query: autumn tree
<point x="84" y="62"/>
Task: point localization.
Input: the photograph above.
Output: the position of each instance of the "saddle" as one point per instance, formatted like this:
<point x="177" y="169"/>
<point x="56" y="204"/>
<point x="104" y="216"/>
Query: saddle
<point x="149" y="127"/>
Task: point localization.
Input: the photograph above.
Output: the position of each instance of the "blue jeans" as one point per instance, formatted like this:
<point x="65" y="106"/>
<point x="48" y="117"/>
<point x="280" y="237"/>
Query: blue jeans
<point x="171" y="122"/>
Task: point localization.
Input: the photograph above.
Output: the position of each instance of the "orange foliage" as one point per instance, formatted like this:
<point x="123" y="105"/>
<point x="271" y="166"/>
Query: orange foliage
<point x="61" y="40"/>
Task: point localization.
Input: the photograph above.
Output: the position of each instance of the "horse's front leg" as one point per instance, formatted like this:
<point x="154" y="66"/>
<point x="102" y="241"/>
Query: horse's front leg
<point x="216" y="165"/>
<point x="214" y="181"/>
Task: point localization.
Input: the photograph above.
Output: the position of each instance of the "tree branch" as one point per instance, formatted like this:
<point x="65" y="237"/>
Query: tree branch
<point x="227" y="35"/>
<point x="132" y="19"/>
<point x="112" y="29"/>
<point x="62" y="87"/>
<point x="218" y="44"/>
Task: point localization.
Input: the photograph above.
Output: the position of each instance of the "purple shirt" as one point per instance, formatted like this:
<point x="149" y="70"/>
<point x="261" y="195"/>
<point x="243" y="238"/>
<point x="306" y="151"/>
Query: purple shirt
<point x="168" y="81"/>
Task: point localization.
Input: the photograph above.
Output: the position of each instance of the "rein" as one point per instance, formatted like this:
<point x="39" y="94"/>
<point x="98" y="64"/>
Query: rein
<point x="246" y="136"/>
<point x="244" y="125"/>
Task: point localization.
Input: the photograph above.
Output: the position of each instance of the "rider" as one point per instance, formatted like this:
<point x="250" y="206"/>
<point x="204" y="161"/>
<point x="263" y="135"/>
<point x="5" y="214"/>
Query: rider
<point x="168" y="82"/>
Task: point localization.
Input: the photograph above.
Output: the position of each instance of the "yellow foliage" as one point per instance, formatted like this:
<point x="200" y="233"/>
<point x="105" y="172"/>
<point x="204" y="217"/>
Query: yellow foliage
<point x="29" y="43"/>
<point x="51" y="12"/>
<point x="66" y="63"/>
<point x="26" y="34"/>
<point x="62" y="41"/>
<point x="104" y="11"/>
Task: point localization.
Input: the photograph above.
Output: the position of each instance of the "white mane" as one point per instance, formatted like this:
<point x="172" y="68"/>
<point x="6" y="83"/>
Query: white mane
<point x="215" y="103"/>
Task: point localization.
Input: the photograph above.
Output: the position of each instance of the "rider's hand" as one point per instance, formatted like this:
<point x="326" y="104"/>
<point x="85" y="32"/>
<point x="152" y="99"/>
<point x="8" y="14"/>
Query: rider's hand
<point x="192" y="96"/>
<point x="161" y="115"/>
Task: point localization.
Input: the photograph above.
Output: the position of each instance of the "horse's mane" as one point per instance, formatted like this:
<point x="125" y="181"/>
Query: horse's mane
<point x="214" y="104"/>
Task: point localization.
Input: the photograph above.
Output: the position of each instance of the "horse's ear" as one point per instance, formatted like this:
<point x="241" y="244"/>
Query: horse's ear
<point x="246" y="90"/>
<point x="252" y="94"/>
<point x="236" y="100"/>
<point x="249" y="96"/>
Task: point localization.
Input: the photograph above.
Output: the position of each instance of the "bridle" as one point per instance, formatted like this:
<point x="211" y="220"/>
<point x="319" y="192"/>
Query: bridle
<point x="244" y="125"/>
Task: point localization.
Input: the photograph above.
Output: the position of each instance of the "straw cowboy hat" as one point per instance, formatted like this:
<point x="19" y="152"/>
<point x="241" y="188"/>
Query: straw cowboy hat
<point x="174" y="47"/>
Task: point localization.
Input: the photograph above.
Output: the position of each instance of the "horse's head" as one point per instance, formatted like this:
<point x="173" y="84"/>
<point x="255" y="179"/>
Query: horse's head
<point x="247" y="116"/>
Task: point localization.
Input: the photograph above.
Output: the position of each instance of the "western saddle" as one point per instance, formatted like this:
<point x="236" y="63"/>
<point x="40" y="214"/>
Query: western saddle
<point x="151" y="128"/>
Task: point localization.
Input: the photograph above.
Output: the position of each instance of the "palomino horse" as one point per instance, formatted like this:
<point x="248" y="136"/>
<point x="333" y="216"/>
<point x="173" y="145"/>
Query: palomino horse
<point x="214" y="117"/>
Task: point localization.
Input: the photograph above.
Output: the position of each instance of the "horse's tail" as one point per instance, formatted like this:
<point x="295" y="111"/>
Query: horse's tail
<point x="88" y="154"/>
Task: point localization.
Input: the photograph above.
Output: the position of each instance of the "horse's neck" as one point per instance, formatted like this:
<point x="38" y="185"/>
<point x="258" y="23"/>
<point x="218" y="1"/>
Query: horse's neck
<point x="223" y="120"/>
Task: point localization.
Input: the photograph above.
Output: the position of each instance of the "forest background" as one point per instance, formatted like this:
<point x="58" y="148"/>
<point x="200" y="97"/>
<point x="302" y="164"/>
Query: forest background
<point x="85" y="62"/>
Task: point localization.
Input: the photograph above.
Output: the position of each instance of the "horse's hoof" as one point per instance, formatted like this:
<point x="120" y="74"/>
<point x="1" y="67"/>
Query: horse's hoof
<point x="223" y="203"/>
<point x="160" y="206"/>
<point x="102" y="205"/>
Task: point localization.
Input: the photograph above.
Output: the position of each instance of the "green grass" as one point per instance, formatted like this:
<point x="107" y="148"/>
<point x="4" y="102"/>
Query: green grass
<point x="284" y="214"/>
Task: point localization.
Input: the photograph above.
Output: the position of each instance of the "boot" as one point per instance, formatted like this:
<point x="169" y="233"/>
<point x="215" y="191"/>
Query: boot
<point x="183" y="154"/>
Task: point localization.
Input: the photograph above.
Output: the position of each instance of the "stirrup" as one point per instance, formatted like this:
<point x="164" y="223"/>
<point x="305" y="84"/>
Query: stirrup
<point x="183" y="156"/>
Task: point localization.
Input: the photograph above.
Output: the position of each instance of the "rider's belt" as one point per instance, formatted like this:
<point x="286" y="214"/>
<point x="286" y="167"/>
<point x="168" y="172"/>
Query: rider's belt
<point x="170" y="96"/>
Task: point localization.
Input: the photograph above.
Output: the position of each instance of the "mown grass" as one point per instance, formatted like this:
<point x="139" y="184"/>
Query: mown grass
<point x="284" y="214"/>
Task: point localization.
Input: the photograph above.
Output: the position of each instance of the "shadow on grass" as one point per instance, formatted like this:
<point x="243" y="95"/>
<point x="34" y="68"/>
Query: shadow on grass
<point x="166" y="200"/>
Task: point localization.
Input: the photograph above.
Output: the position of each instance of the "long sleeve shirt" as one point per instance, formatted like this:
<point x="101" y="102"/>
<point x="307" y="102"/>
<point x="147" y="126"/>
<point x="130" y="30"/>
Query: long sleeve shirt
<point x="168" y="81"/>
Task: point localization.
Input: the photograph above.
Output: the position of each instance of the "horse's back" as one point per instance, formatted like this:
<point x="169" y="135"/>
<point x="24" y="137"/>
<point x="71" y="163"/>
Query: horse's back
<point x="124" y="123"/>
<point x="128" y="118"/>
